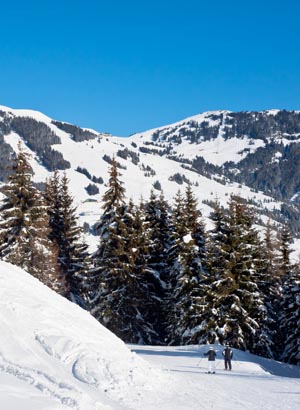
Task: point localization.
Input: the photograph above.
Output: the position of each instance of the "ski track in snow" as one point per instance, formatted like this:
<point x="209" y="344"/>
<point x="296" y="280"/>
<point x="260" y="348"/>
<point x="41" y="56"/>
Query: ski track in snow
<point x="41" y="381"/>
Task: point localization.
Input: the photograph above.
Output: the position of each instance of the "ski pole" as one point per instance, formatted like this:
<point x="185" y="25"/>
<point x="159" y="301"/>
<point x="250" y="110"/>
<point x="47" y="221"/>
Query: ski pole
<point x="217" y="364"/>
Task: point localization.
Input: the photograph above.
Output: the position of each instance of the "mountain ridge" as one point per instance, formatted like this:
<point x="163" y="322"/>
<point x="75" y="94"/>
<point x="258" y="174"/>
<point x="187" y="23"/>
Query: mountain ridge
<point x="218" y="152"/>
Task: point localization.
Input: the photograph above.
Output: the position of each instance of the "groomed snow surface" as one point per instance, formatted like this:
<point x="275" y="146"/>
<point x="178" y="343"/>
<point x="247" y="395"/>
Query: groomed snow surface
<point x="55" y="356"/>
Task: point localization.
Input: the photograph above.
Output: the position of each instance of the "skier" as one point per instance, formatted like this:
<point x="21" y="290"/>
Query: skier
<point x="211" y="360"/>
<point x="227" y="354"/>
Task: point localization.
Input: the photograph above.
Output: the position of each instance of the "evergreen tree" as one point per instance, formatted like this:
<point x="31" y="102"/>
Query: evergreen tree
<point x="284" y="277"/>
<point x="272" y="282"/>
<point x="156" y="212"/>
<point x="65" y="233"/>
<point x="285" y="240"/>
<point x="113" y="199"/>
<point x="117" y="298"/>
<point x="73" y="252"/>
<point x="290" y="317"/>
<point x="143" y="294"/>
<point x="263" y="312"/>
<point x="157" y="228"/>
<point x="218" y="258"/>
<point x="195" y="224"/>
<point x="217" y="252"/>
<point x="186" y="271"/>
<point x="53" y="199"/>
<point x="270" y="246"/>
<point x="269" y="286"/>
<point x="24" y="226"/>
<point x="237" y="306"/>
<point x="178" y="216"/>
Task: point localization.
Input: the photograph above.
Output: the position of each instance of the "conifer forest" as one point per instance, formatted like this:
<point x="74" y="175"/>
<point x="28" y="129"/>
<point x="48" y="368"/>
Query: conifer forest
<point x="159" y="276"/>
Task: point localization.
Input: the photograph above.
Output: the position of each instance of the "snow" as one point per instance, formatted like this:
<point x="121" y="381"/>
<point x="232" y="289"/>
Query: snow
<point x="55" y="356"/>
<point x="272" y="112"/>
<point x="219" y="151"/>
<point x="37" y="115"/>
<point x="187" y="238"/>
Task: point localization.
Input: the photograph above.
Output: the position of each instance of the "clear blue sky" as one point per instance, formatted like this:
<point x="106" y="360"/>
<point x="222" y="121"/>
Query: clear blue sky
<point x="126" y="66"/>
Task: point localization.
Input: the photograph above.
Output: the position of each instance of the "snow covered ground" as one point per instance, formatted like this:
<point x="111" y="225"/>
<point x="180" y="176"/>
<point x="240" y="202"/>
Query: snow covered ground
<point x="254" y="383"/>
<point x="55" y="356"/>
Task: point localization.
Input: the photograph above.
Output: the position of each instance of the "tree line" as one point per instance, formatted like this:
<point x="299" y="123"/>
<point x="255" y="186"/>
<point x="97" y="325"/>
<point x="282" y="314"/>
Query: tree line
<point x="158" y="275"/>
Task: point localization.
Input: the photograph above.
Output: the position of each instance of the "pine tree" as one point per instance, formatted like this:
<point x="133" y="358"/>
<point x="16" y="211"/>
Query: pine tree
<point x="218" y="259"/>
<point x="272" y="280"/>
<point x="143" y="295"/>
<point x="237" y="306"/>
<point x="157" y="223"/>
<point x="73" y="258"/>
<point x="53" y="199"/>
<point x="269" y="286"/>
<point x="270" y="246"/>
<point x="186" y="272"/>
<point x="195" y="225"/>
<point x="116" y="298"/>
<point x="285" y="240"/>
<point x="263" y="311"/>
<point x="217" y="252"/>
<point x="113" y="198"/>
<point x="285" y="274"/>
<point x="290" y="317"/>
<point x="157" y="228"/>
<point x="178" y="216"/>
<point x="73" y="252"/>
<point x="24" y="226"/>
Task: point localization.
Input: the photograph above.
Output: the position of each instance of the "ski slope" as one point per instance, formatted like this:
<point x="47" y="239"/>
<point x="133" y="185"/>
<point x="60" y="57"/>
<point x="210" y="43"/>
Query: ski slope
<point x="254" y="382"/>
<point x="55" y="356"/>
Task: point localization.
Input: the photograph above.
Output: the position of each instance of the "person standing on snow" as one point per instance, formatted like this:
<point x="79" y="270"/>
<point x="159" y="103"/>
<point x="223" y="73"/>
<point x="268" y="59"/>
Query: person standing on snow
<point x="227" y="354"/>
<point x="211" y="360"/>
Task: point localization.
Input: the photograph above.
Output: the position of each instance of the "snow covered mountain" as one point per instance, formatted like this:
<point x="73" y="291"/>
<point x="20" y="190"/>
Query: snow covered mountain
<point x="253" y="154"/>
<point x="54" y="355"/>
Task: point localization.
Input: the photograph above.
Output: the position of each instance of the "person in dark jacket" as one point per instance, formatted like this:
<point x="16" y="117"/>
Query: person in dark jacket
<point x="211" y="360"/>
<point x="227" y="354"/>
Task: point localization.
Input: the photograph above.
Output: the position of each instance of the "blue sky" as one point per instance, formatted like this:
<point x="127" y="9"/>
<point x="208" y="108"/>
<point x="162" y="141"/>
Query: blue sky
<point x="127" y="66"/>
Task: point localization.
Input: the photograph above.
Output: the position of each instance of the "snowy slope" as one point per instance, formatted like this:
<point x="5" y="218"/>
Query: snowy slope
<point x="55" y="356"/>
<point x="51" y="349"/>
<point x="216" y="151"/>
<point x="254" y="383"/>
